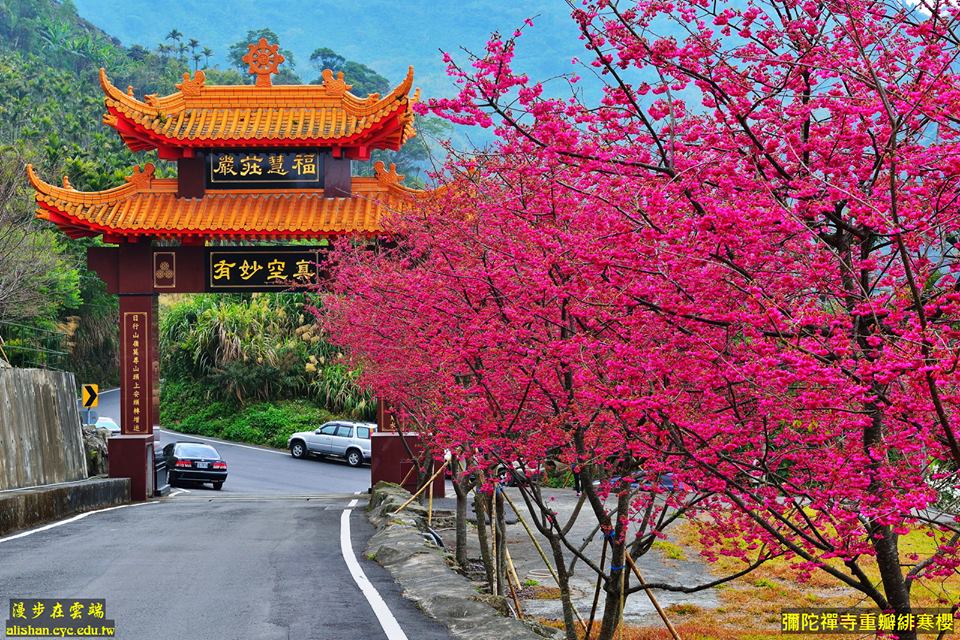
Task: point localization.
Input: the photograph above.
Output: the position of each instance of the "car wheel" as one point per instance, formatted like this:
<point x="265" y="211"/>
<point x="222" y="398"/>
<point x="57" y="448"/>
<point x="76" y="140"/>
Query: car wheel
<point x="298" y="449"/>
<point x="218" y="485"/>
<point x="354" y="458"/>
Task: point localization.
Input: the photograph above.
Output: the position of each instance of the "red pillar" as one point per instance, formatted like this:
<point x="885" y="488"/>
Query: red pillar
<point x="139" y="368"/>
<point x="131" y="453"/>
<point x="390" y="455"/>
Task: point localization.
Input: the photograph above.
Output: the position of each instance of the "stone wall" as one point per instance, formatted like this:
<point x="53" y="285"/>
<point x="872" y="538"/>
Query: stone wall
<point x="40" y="437"/>
<point x="425" y="576"/>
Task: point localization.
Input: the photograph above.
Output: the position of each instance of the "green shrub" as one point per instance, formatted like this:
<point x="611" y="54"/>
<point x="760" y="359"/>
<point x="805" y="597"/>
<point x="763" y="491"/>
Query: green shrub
<point x="186" y="407"/>
<point x="559" y="481"/>
<point x="244" y="350"/>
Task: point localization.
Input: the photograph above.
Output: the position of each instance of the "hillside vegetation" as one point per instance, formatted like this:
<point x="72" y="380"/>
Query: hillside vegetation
<point x="56" y="313"/>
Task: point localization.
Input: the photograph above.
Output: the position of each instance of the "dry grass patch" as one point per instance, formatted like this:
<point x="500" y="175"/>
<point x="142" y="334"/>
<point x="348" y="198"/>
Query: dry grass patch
<point x="669" y="549"/>
<point x="756" y="600"/>
<point x="687" y="630"/>
<point x="540" y="593"/>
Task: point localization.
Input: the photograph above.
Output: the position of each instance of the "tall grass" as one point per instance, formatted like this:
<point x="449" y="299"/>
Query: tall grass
<point x="255" y="348"/>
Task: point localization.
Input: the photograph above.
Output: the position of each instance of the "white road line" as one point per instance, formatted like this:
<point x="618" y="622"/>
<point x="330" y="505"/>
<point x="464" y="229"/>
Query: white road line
<point x="184" y="490"/>
<point x="224" y="442"/>
<point x="176" y="493"/>
<point x="380" y="609"/>
<point x="352" y="504"/>
<point x="81" y="516"/>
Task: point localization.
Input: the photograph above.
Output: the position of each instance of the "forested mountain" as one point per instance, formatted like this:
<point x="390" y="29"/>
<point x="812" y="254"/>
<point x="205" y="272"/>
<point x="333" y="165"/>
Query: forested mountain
<point x="53" y="311"/>
<point x="385" y="35"/>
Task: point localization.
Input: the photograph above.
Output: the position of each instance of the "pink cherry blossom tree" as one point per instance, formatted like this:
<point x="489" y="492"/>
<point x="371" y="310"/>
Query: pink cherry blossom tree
<point x="736" y="267"/>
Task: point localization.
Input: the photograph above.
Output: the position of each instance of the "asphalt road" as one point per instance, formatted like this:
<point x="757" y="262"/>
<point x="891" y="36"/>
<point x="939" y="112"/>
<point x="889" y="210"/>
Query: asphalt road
<point x="211" y="566"/>
<point x="260" y="470"/>
<point x="263" y="558"/>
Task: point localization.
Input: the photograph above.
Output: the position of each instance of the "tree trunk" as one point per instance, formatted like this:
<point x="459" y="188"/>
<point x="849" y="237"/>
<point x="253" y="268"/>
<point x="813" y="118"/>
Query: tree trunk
<point x="884" y="540"/>
<point x="460" y="488"/>
<point x="501" y="541"/>
<point x="891" y="574"/>
<point x="479" y="506"/>
<point x="424" y="471"/>
<point x="563" y="577"/>
<point x="615" y="595"/>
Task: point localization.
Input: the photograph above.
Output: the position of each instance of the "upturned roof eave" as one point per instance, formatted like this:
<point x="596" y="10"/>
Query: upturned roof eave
<point x="382" y="117"/>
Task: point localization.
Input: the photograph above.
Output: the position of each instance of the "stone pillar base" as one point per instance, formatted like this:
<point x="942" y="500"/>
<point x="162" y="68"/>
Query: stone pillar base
<point x="131" y="456"/>
<point x="390" y="462"/>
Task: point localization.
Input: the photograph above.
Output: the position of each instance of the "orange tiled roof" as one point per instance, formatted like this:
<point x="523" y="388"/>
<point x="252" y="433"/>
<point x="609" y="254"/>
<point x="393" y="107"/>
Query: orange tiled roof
<point x="201" y="115"/>
<point x="146" y="206"/>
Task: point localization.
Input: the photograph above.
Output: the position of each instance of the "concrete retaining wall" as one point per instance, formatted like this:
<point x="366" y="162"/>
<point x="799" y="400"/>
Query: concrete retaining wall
<point x="30" y="507"/>
<point x="40" y="437"/>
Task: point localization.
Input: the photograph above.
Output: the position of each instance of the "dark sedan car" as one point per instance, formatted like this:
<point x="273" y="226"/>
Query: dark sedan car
<point x="195" y="462"/>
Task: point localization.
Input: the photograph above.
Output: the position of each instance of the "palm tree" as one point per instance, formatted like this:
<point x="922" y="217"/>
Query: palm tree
<point x="207" y="52"/>
<point x="164" y="50"/>
<point x="176" y="44"/>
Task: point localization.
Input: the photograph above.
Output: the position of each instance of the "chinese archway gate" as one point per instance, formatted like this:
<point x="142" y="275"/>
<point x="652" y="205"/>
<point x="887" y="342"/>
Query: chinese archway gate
<point x="254" y="162"/>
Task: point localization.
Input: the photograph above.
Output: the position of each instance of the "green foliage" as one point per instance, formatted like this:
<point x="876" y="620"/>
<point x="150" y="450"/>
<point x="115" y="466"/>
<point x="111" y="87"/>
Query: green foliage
<point x="559" y="480"/>
<point x="326" y="58"/>
<point x="249" y="349"/>
<point x="50" y="113"/>
<point x="188" y="407"/>
<point x="418" y="156"/>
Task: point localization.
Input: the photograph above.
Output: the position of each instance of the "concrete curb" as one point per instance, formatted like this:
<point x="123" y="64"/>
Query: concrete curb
<point x="425" y="574"/>
<point x="27" y="508"/>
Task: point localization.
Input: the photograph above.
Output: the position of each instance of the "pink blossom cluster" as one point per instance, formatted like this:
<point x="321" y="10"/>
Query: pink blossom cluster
<point x="737" y="269"/>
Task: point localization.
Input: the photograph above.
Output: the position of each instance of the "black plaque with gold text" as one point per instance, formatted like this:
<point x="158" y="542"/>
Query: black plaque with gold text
<point x="262" y="268"/>
<point x="254" y="169"/>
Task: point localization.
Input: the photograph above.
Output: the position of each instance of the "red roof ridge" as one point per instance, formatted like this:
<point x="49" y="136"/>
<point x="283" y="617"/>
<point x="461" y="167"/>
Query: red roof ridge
<point x="141" y="179"/>
<point x="196" y="93"/>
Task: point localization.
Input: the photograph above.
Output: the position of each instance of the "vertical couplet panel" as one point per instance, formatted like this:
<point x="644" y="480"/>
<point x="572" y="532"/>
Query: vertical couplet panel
<point x="139" y="368"/>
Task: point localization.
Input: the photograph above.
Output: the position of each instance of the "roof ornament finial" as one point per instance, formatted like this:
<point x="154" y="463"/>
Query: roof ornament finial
<point x="142" y="177"/>
<point x="387" y="177"/>
<point x="192" y="86"/>
<point x="334" y="84"/>
<point x="263" y="59"/>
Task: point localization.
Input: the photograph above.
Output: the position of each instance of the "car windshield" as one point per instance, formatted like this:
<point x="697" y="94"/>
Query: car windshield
<point x="196" y="451"/>
<point x="107" y="423"/>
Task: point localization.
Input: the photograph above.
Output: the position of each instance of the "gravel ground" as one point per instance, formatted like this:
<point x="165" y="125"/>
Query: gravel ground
<point x="654" y="566"/>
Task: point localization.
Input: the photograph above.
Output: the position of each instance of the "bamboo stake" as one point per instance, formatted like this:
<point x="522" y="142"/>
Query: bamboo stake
<point x="543" y="554"/>
<point x="407" y="477"/>
<point x="623" y="601"/>
<point x="596" y="591"/>
<point x="510" y="566"/>
<point x="493" y="537"/>
<point x="513" y="572"/>
<point x="420" y="490"/>
<point x="653" y="600"/>
<point x="430" y="504"/>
